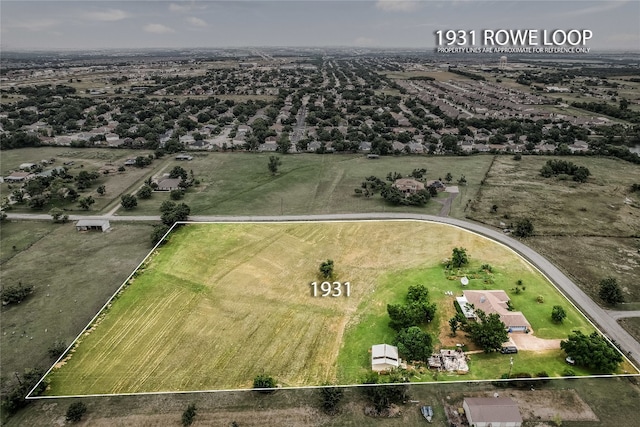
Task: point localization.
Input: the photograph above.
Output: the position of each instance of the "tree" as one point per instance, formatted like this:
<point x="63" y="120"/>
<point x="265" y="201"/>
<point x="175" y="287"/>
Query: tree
<point x="331" y="397"/>
<point x="610" y="291"/>
<point x="56" y="349"/>
<point x="417" y="293"/>
<point x="145" y="192"/>
<point x="189" y="414"/>
<point x="488" y="333"/>
<point x="172" y="212"/>
<point x="558" y="314"/>
<point x="459" y="257"/>
<point x="86" y="202"/>
<point x="15" y="294"/>
<point x="128" y="201"/>
<point x="592" y="351"/>
<point x="143" y="161"/>
<point x="158" y="233"/>
<point x="263" y="381"/>
<point x="448" y="177"/>
<point x="283" y="143"/>
<point x="75" y="411"/>
<point x="84" y="179"/>
<point x="274" y="163"/>
<point x="523" y="228"/>
<point x="58" y="215"/>
<point x="176" y="194"/>
<point x="414" y="344"/>
<point x="326" y="269"/>
<point x="456" y="322"/>
<point x="416" y="311"/>
<point x="178" y="172"/>
<point x="13" y="397"/>
<point x="382" y="396"/>
<point x="38" y="202"/>
<point x="101" y="190"/>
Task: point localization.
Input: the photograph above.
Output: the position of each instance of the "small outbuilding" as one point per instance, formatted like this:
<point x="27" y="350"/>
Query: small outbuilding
<point x="492" y="412"/>
<point x="27" y="166"/>
<point x="384" y="357"/>
<point x="93" y="225"/>
<point x="185" y="157"/>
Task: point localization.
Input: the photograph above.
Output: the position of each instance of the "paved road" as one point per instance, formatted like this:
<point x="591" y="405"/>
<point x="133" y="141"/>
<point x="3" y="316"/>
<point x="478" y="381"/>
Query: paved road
<point x="605" y="320"/>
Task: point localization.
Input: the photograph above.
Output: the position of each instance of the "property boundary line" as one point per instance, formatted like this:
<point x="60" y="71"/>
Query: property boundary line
<point x="332" y="218"/>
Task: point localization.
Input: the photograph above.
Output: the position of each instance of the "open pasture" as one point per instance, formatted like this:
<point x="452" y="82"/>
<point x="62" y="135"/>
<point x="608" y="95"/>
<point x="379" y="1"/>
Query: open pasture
<point x="240" y="183"/>
<point x="219" y="304"/>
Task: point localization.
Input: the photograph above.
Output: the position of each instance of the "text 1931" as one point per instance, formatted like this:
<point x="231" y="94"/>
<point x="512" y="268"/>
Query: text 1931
<point x="333" y="289"/>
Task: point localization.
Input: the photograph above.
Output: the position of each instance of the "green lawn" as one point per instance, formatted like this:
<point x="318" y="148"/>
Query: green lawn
<point x="372" y="327"/>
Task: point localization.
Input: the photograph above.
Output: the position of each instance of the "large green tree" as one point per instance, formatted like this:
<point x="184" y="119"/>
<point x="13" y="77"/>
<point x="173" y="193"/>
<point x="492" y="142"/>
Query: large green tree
<point x="488" y="333"/>
<point x="592" y="351"/>
<point x="172" y="212"/>
<point x="523" y="228"/>
<point x="610" y="291"/>
<point x="414" y="312"/>
<point x="128" y="201"/>
<point x="414" y="344"/>
<point x="459" y="257"/>
<point x="558" y="314"/>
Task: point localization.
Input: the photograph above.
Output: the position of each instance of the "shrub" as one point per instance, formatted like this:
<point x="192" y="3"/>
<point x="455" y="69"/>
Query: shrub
<point x="176" y="194"/>
<point x="188" y="415"/>
<point x="15" y="294"/>
<point x="264" y="381"/>
<point x="75" y="411"/>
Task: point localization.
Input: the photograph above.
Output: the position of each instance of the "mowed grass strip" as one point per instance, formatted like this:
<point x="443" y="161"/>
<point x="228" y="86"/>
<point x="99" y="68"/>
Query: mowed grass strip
<point x="222" y="303"/>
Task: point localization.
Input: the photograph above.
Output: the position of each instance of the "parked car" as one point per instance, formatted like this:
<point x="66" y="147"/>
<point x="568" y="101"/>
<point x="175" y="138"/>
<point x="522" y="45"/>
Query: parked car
<point x="509" y="349"/>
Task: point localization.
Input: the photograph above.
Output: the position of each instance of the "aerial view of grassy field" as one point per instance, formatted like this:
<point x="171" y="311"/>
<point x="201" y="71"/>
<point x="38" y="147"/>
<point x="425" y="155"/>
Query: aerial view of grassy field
<point x="219" y="304"/>
<point x="589" y="229"/>
<point x="240" y="183"/>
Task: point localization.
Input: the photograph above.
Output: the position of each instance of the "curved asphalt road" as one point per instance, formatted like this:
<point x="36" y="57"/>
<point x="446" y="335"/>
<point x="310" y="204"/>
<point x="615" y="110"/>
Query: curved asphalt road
<point x="606" y="321"/>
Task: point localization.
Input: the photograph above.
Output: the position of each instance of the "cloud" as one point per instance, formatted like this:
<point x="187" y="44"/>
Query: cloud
<point x="605" y="7"/>
<point x="158" y="29"/>
<point x="397" y="5"/>
<point x="196" y="22"/>
<point x="624" y="38"/>
<point x="35" y="24"/>
<point x="106" y="15"/>
<point x="184" y="7"/>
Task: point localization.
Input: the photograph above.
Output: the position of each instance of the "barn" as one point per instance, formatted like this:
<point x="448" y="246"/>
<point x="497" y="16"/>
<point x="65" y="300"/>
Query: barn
<point x="492" y="412"/>
<point x="384" y="357"/>
<point x="93" y="225"/>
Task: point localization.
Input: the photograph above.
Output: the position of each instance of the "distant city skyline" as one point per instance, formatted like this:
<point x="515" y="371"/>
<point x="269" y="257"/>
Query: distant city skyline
<point x="99" y="24"/>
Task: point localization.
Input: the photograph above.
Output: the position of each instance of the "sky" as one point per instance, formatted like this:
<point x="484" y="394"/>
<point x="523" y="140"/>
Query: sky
<point x="100" y="24"/>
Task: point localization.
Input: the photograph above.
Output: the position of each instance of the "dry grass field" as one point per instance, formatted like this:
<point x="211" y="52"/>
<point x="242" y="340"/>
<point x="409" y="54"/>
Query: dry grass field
<point x="222" y="303"/>
<point x="590" y="230"/>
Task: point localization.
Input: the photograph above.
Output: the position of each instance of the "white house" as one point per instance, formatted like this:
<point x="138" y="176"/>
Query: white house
<point x="384" y="357"/>
<point x="492" y="412"/>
